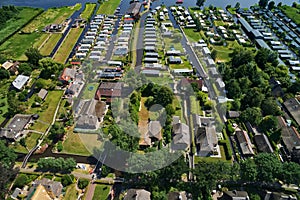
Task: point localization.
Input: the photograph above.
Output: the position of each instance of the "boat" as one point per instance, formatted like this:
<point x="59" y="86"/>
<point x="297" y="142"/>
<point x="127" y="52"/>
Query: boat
<point x="179" y="1"/>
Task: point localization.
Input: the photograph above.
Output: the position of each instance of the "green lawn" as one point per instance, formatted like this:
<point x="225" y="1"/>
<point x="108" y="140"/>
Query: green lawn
<point x="212" y="159"/>
<point x="90" y="90"/>
<point x="184" y="65"/>
<point x="164" y="79"/>
<point x="24" y="16"/>
<point x="49" y="45"/>
<point x="101" y="192"/>
<point x="4" y="86"/>
<point x="67" y="45"/>
<point x="192" y="35"/>
<point x="195" y="107"/>
<point x="223" y="52"/>
<point x="219" y="23"/>
<point x="232" y="11"/>
<point x="108" y="7"/>
<point x="173" y="42"/>
<point x="30" y="141"/>
<point x="71" y="193"/>
<point x="16" y="45"/>
<point x="74" y="144"/>
<point x="88" y="10"/>
<point x="292" y="13"/>
<point x="46" y="111"/>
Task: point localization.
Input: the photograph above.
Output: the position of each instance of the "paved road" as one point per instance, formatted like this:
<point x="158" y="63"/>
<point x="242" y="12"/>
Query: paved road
<point x="90" y="191"/>
<point x="140" y="43"/>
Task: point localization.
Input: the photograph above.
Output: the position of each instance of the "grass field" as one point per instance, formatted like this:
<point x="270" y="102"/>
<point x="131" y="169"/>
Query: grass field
<point x="24" y="16"/>
<point x="192" y="35"/>
<point x="101" y="192"/>
<point x="90" y="90"/>
<point x="16" y="45"/>
<point x="212" y="159"/>
<point x="49" y="45"/>
<point x="67" y="45"/>
<point x="108" y="7"/>
<point x="46" y="111"/>
<point x="88" y="10"/>
<point x="292" y="13"/>
<point x="195" y="107"/>
<point x="74" y="145"/>
<point x="71" y="193"/>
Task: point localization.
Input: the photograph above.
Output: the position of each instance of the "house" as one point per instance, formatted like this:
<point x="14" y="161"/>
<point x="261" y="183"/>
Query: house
<point x="67" y="75"/>
<point x="181" y="135"/>
<point x="53" y="188"/>
<point x="134" y="10"/>
<point x="177" y="196"/>
<point x="38" y="193"/>
<point x="263" y="144"/>
<point x="90" y="114"/>
<point x="174" y="60"/>
<point x="11" y="67"/>
<point x="186" y="83"/>
<point x="43" y="94"/>
<point x="234" y="195"/>
<point x="233" y="114"/>
<point x="137" y="194"/>
<point x="16" y="193"/>
<point x="205" y="139"/>
<point x="154" y="130"/>
<point x="278" y="195"/>
<point x="151" y="72"/>
<point x="20" y="82"/>
<point x="150" y="60"/>
<point x="15" y="127"/>
<point x="109" y="90"/>
<point x="293" y="107"/>
<point x="244" y="142"/>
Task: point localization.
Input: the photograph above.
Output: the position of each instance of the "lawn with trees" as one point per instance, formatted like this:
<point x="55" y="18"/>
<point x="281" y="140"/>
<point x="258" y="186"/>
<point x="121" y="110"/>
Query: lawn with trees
<point x="56" y="164"/>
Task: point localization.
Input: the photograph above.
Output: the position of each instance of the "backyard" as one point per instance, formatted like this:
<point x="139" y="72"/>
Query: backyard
<point x="108" y="7"/>
<point x="71" y="193"/>
<point x="90" y="90"/>
<point x="30" y="141"/>
<point x="101" y="192"/>
<point x="74" y="144"/>
<point x="46" y="111"/>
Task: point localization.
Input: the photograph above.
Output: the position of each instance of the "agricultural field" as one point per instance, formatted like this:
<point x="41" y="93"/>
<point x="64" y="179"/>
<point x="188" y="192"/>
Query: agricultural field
<point x="108" y="7"/>
<point x="88" y="11"/>
<point x="67" y="45"/>
<point x="24" y="16"/>
<point x="48" y="45"/>
<point x="30" y="35"/>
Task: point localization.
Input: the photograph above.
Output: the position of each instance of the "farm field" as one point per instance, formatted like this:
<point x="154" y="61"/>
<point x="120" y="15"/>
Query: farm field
<point x="67" y="45"/>
<point x="24" y="16"/>
<point x="108" y="7"/>
<point x="30" y="35"/>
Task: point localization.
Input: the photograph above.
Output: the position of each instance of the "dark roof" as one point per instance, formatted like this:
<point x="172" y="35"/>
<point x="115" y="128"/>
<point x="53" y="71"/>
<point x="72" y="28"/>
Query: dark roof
<point x="134" y="8"/>
<point x="53" y="186"/>
<point x="290" y="136"/>
<point x="137" y="194"/>
<point x="154" y="129"/>
<point x="293" y="107"/>
<point x="263" y="144"/>
<point x="235" y="195"/>
<point x="244" y="142"/>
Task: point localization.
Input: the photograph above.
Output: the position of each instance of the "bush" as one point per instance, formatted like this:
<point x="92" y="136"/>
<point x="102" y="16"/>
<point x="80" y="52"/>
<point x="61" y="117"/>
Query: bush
<point x="59" y="146"/>
<point x="67" y="179"/>
<point x="82" y="183"/>
<point x="21" y="181"/>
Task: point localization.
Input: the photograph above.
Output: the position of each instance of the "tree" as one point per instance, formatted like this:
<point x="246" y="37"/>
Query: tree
<point x="252" y="115"/>
<point x="7" y="155"/>
<point x="200" y="3"/>
<point x="263" y="3"/>
<point x="214" y="54"/>
<point x="4" y="74"/>
<point x="241" y="57"/>
<point x="271" y="5"/>
<point x="237" y="5"/>
<point x="290" y="173"/>
<point x="261" y="57"/>
<point x="270" y="107"/>
<point x="279" y="4"/>
<point x="82" y="183"/>
<point x="268" y="167"/>
<point x="59" y="146"/>
<point x="67" y="179"/>
<point x="163" y="96"/>
<point x="233" y="89"/>
<point x="269" y="123"/>
<point x="253" y="97"/>
<point x="248" y="170"/>
<point x="33" y="56"/>
<point x="23" y="142"/>
<point x="21" y="181"/>
<point x="25" y="69"/>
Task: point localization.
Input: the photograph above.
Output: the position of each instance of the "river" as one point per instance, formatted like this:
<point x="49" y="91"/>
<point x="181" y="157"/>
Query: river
<point x="58" y="3"/>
